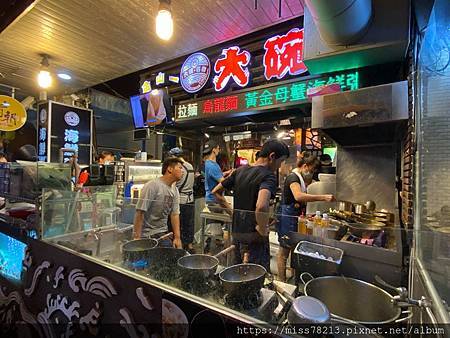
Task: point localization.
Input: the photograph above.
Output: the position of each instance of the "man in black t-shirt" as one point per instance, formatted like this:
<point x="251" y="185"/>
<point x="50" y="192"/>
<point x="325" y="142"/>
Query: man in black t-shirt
<point x="253" y="187"/>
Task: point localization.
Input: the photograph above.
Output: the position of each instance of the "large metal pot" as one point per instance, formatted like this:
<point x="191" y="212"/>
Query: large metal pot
<point x="344" y="206"/>
<point x="137" y="250"/>
<point x="362" y="230"/>
<point x="200" y="265"/>
<point x="135" y="253"/>
<point x="242" y="279"/>
<point x="353" y="299"/>
<point x="359" y="208"/>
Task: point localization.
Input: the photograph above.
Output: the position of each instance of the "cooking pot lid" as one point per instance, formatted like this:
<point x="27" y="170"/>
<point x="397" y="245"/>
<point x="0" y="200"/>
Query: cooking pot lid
<point x="311" y="308"/>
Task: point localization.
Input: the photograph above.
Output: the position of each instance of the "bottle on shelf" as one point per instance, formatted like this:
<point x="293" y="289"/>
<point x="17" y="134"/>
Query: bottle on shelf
<point x="317" y="224"/>
<point x="310" y="228"/>
<point x="325" y="225"/>
<point x="302" y="225"/>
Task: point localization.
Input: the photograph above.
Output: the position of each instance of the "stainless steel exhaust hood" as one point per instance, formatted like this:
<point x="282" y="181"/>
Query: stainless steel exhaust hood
<point x="373" y="115"/>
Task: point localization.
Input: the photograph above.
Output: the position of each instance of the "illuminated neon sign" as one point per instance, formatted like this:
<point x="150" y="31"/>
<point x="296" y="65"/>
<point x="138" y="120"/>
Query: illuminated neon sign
<point x="146" y="87"/>
<point x="232" y="64"/>
<point x="195" y="72"/>
<point x="276" y="95"/>
<point x="160" y="78"/>
<point x="284" y="54"/>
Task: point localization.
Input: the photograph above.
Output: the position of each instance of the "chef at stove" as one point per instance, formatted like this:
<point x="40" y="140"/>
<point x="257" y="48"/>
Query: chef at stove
<point x="293" y="205"/>
<point x="253" y="187"/>
<point x="159" y="200"/>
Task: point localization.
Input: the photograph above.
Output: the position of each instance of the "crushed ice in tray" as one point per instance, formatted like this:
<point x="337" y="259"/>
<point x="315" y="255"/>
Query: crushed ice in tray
<point x="319" y="256"/>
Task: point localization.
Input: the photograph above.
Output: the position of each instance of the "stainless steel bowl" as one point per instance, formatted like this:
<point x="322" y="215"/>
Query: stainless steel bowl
<point x="353" y="299"/>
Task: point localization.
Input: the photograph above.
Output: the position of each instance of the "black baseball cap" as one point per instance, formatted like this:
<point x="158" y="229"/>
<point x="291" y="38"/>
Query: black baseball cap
<point x="209" y="146"/>
<point x="325" y="159"/>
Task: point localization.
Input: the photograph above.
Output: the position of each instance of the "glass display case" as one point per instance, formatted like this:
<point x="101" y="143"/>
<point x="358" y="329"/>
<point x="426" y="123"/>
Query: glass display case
<point x="68" y="212"/>
<point x="25" y="180"/>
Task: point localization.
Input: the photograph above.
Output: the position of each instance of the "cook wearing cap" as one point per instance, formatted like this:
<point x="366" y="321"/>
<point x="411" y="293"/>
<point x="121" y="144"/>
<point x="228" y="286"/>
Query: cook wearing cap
<point x="209" y="147"/>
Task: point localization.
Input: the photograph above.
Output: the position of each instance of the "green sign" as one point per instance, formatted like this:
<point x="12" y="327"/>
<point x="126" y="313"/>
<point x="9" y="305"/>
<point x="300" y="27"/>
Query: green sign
<point x="275" y="95"/>
<point x="296" y="91"/>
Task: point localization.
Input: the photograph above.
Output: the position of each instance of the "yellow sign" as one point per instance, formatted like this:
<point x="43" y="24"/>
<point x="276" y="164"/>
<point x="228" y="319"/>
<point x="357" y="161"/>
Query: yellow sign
<point x="12" y="114"/>
<point x="146" y="87"/>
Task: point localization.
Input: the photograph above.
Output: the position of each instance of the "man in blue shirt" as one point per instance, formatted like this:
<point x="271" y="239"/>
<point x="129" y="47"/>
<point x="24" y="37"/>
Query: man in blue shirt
<point x="213" y="176"/>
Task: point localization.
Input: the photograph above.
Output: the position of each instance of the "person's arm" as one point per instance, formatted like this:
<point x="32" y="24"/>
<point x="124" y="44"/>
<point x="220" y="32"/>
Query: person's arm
<point x="175" y="221"/>
<point x="142" y="205"/>
<point x="217" y="174"/>
<point x="226" y="174"/>
<point x="262" y="212"/>
<point x="217" y="191"/>
<point x="304" y="197"/>
<point x="227" y="184"/>
<point x="138" y="222"/>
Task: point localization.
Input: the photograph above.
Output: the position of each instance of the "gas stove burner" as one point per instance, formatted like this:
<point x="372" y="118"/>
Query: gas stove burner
<point x="139" y="265"/>
<point x="166" y="274"/>
<point x="376" y="240"/>
<point x="244" y="302"/>
<point x="199" y="287"/>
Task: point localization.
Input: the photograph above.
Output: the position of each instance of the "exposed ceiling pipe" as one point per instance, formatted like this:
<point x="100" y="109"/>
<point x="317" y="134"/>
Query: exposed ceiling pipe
<point x="342" y="22"/>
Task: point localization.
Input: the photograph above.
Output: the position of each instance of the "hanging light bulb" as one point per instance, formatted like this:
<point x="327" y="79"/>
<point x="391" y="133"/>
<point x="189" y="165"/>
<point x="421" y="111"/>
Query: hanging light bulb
<point x="164" y="21"/>
<point x="44" y="76"/>
<point x="44" y="79"/>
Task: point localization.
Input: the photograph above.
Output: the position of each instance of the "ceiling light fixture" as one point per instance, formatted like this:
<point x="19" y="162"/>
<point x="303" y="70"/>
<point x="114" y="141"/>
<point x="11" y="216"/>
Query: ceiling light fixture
<point x="44" y="76"/>
<point x="64" y="76"/>
<point x="164" y="21"/>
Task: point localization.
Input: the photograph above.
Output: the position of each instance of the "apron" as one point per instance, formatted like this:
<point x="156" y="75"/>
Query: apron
<point x="289" y="216"/>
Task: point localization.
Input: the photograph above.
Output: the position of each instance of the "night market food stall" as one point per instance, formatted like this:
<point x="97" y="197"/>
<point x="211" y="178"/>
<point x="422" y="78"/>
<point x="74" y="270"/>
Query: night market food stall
<point x="68" y="256"/>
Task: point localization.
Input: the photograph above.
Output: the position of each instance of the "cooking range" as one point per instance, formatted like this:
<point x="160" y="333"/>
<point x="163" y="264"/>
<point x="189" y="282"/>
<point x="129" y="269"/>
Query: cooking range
<point x="260" y="304"/>
<point x="355" y="229"/>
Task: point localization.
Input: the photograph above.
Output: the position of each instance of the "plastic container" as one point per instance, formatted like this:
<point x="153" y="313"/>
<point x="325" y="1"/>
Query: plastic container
<point x="318" y="259"/>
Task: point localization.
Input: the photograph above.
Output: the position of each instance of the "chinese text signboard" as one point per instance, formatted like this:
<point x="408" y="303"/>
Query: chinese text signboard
<point x="12" y="114"/>
<point x="283" y="55"/>
<point x="43" y="139"/>
<point x="277" y="95"/>
<point x="232" y="64"/>
<point x="71" y="128"/>
<point x="62" y="126"/>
